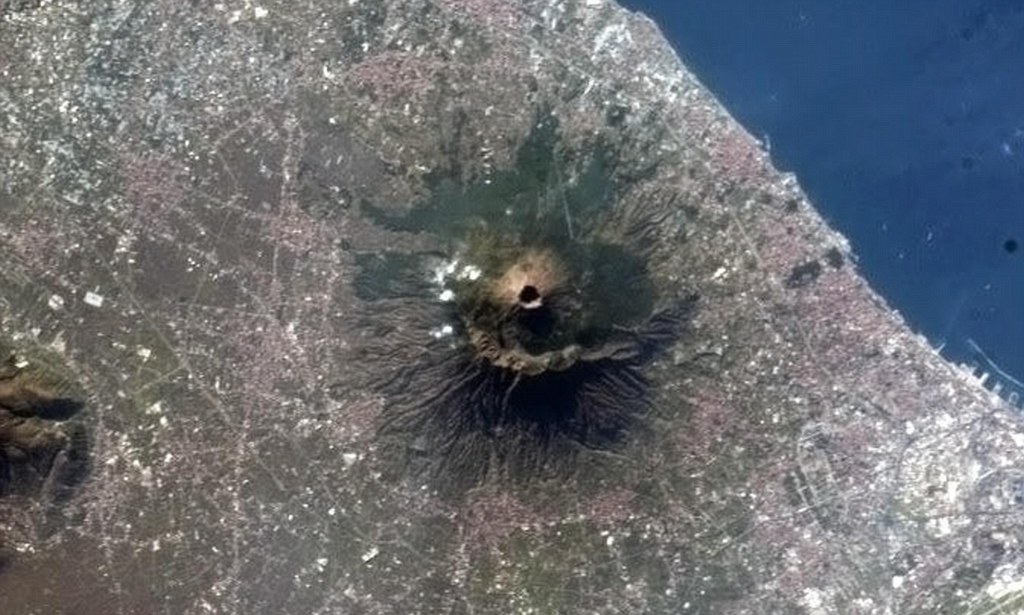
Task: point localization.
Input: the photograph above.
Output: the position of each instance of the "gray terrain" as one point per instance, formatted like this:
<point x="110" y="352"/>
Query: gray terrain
<point x="266" y="287"/>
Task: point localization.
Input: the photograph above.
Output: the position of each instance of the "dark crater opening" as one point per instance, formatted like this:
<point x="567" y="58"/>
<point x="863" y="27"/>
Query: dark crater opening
<point x="529" y="297"/>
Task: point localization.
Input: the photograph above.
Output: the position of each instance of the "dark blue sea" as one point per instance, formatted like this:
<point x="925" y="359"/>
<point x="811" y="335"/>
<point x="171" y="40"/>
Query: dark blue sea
<point x="904" y="121"/>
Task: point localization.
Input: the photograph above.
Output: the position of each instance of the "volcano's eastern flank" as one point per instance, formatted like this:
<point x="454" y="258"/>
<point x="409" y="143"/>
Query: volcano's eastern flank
<point x="524" y="335"/>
